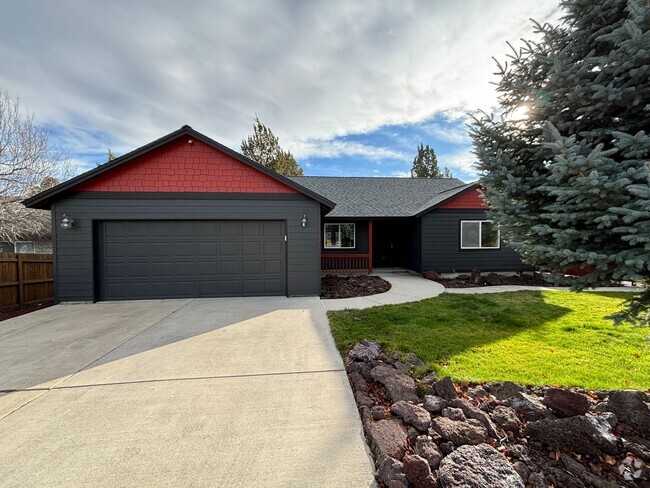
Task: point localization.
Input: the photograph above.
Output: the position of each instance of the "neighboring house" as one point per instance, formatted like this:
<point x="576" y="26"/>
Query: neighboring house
<point x="185" y="216"/>
<point x="24" y="230"/>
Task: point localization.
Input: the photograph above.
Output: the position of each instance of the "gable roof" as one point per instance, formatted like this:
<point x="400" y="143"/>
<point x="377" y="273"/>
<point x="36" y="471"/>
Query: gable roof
<point x="44" y="199"/>
<point x="383" y="197"/>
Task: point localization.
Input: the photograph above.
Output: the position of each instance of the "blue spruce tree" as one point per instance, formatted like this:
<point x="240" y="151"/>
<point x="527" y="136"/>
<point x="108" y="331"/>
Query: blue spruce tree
<point x="564" y="169"/>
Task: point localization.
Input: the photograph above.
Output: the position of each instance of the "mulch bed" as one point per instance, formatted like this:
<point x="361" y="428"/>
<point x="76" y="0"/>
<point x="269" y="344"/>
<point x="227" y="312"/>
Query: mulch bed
<point x="10" y="314"/>
<point x="333" y="286"/>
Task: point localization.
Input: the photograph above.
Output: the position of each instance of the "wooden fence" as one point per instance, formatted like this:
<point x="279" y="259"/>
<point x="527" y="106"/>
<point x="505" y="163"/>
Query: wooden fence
<point x="25" y="279"/>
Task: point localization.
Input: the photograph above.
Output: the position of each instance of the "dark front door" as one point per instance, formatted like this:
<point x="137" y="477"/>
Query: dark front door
<point x="186" y="259"/>
<point x="390" y="244"/>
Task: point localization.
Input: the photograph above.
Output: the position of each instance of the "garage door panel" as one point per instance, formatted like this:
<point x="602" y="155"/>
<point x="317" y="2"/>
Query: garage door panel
<point x="115" y="270"/>
<point x="252" y="229"/>
<point x="229" y="229"/>
<point x="251" y="248"/>
<point x="160" y="249"/>
<point x="185" y="269"/>
<point x="253" y="267"/>
<point x="230" y="287"/>
<point x="229" y="248"/>
<point x="138" y="249"/>
<point x="138" y="270"/>
<point x="168" y="259"/>
<point x="273" y="248"/>
<point x="255" y="286"/>
<point x="273" y="286"/>
<point x="184" y="249"/>
<point x="206" y="268"/>
<point x="206" y="248"/>
<point x="273" y="266"/>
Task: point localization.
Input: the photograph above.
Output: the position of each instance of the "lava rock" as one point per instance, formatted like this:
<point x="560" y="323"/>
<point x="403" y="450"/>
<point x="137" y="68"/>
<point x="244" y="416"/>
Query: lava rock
<point x="478" y="392"/>
<point x="365" y="351"/>
<point x="582" y="434"/>
<point x="414" y="360"/>
<point x="472" y="412"/>
<point x="378" y="412"/>
<point x="391" y="472"/>
<point x="476" y="467"/>
<point x="453" y="413"/>
<point x="537" y="480"/>
<point x="426" y="448"/>
<point x="506" y="418"/>
<point x="630" y="408"/>
<point x="504" y="390"/>
<point x="529" y="407"/>
<point x="418" y="472"/>
<point x="412" y="414"/>
<point x="492" y="279"/>
<point x="434" y="404"/>
<point x="522" y="470"/>
<point x="431" y="275"/>
<point x="445" y="388"/>
<point x="610" y="418"/>
<point x="429" y="378"/>
<point x="566" y="402"/>
<point x="460" y="433"/>
<point x="388" y="437"/>
<point x="399" y="386"/>
<point x="363" y="399"/>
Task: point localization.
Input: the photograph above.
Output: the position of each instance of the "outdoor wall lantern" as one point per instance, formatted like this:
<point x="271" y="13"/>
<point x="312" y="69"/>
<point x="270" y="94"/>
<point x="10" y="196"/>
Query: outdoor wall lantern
<point x="66" y="222"/>
<point x="304" y="221"/>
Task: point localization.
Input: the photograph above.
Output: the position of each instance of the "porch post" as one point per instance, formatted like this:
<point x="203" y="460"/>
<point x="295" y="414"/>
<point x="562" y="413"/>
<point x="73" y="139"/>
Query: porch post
<point x="369" y="246"/>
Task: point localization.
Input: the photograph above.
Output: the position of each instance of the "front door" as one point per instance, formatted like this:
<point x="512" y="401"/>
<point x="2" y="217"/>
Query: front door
<point x="390" y="244"/>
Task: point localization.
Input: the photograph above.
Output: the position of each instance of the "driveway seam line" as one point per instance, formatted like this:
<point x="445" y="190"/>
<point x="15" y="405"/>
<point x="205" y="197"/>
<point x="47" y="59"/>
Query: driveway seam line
<point x="187" y="378"/>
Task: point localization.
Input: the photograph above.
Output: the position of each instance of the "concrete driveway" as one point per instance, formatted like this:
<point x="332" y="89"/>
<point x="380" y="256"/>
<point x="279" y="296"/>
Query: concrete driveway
<point x="212" y="392"/>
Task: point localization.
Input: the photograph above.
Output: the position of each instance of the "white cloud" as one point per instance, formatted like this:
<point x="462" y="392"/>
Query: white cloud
<point x="133" y="71"/>
<point x="460" y="163"/>
<point x="337" y="148"/>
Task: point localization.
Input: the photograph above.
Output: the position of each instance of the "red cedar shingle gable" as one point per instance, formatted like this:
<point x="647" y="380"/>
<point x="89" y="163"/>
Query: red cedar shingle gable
<point x="469" y="200"/>
<point x="182" y="167"/>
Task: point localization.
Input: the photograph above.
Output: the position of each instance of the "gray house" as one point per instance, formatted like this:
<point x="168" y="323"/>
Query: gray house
<point x="185" y="216"/>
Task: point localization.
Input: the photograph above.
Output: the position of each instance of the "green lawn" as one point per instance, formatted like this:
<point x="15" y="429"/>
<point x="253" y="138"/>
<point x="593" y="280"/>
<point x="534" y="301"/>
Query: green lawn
<point x="529" y="337"/>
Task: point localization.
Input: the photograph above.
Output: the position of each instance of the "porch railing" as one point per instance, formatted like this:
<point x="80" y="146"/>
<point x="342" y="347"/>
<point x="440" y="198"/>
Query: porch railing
<point x="345" y="263"/>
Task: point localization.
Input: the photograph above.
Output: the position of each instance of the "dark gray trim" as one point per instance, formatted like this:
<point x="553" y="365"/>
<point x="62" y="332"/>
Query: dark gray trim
<point x="108" y="195"/>
<point x="43" y="200"/>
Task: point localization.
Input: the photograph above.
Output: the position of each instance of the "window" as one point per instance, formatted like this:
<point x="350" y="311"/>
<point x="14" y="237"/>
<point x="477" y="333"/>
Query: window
<point x="479" y="234"/>
<point x="6" y="246"/>
<point x="340" y="236"/>
<point x="25" y="247"/>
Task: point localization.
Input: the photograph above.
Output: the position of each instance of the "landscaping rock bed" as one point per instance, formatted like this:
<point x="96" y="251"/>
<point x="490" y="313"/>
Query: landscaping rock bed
<point x="476" y="279"/>
<point x="333" y="286"/>
<point x="431" y="432"/>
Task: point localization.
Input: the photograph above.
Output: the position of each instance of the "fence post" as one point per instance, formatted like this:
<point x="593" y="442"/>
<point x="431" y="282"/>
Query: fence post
<point x="21" y="281"/>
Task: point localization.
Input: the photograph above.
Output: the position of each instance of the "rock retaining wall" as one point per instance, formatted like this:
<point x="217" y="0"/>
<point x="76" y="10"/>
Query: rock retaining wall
<point x="430" y="432"/>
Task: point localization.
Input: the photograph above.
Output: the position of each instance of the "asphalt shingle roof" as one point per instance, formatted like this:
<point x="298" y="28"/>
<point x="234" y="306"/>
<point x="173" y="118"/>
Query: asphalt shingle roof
<point x="381" y="197"/>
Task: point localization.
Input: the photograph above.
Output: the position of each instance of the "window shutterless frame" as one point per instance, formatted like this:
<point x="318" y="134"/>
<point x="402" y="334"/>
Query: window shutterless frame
<point x="480" y="235"/>
<point x="354" y="235"/>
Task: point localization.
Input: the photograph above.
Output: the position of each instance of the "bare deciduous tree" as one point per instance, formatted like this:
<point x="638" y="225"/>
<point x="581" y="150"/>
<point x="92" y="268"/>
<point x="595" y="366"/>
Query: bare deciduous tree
<point x="28" y="164"/>
<point x="26" y="155"/>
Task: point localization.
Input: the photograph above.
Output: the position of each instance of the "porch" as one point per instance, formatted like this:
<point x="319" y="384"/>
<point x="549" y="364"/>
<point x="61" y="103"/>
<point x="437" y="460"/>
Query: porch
<point x="359" y="246"/>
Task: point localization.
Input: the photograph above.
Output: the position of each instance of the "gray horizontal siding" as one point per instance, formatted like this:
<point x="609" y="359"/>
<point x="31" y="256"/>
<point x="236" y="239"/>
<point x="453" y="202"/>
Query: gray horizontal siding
<point x="441" y="250"/>
<point x="75" y="254"/>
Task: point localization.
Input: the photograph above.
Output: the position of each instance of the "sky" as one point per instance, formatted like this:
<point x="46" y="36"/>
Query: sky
<point x="349" y="87"/>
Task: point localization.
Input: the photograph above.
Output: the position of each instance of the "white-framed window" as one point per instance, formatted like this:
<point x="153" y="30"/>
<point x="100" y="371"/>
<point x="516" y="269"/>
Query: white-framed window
<point x="25" y="247"/>
<point x="479" y="234"/>
<point x="339" y="236"/>
<point x="6" y="246"/>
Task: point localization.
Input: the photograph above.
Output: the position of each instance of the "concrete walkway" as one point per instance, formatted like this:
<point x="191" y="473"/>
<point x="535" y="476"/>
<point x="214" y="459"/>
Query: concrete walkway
<point x="409" y="287"/>
<point x="209" y="392"/>
<point x="405" y="287"/>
